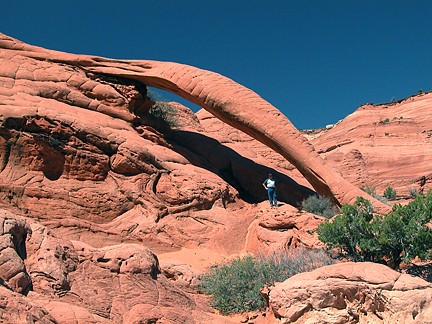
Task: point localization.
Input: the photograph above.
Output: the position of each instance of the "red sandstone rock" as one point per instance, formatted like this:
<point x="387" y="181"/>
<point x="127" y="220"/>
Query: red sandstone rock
<point x="352" y="292"/>
<point x="16" y="308"/>
<point x="282" y="227"/>
<point x="181" y="273"/>
<point x="383" y="145"/>
<point x="74" y="282"/>
<point x="80" y="154"/>
<point x="13" y="234"/>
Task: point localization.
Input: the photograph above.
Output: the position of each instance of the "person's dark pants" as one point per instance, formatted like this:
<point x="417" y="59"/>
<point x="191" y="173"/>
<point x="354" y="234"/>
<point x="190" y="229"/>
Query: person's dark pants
<point x="272" y="196"/>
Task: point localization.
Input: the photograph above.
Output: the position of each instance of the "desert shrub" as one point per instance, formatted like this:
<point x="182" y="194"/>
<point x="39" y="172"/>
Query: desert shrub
<point x="390" y="193"/>
<point x="371" y="191"/>
<point x="401" y="235"/>
<point x="235" y="285"/>
<point x="162" y="109"/>
<point x="319" y="205"/>
<point x="413" y="192"/>
<point x="280" y="265"/>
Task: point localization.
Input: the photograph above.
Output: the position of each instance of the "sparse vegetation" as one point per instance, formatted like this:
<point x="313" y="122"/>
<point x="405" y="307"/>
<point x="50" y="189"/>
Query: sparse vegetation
<point x="390" y="193"/>
<point x="162" y="109"/>
<point x="319" y="205"/>
<point x="402" y="235"/>
<point x="386" y="134"/>
<point x="235" y="285"/>
<point x="413" y="192"/>
<point x="371" y="191"/>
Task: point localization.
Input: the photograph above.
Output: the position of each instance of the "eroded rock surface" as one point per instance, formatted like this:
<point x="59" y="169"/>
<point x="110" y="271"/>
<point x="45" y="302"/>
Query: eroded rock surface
<point x="383" y="145"/>
<point x="283" y="227"/>
<point x="74" y="282"/>
<point x="13" y="234"/>
<point x="352" y="293"/>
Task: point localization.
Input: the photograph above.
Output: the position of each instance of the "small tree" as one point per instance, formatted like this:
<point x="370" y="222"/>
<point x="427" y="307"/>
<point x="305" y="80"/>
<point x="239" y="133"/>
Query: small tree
<point x="390" y="239"/>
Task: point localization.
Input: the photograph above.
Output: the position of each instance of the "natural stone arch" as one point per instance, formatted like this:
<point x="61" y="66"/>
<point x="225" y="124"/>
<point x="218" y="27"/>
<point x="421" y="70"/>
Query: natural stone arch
<point x="227" y="100"/>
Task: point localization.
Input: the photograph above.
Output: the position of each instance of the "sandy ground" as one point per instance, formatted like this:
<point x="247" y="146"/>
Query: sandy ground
<point x="199" y="259"/>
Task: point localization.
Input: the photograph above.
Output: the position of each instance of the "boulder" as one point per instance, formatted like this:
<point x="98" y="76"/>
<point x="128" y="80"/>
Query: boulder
<point x="14" y="232"/>
<point x="351" y="293"/>
<point x="282" y="227"/>
<point x="181" y="273"/>
<point x="16" y="308"/>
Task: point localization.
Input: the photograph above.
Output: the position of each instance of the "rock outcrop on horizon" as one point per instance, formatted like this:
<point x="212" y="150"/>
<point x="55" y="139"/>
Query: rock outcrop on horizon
<point x="383" y="145"/>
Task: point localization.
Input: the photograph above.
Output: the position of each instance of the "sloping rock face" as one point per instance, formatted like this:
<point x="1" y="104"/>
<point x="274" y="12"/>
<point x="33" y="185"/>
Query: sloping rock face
<point x="351" y="293"/>
<point x="72" y="282"/>
<point x="383" y="145"/>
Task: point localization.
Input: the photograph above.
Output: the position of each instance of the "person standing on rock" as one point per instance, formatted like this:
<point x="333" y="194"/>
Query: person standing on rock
<point x="270" y="185"/>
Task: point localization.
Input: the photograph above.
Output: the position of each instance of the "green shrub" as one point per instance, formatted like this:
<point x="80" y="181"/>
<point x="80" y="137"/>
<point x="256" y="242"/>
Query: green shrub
<point x="235" y="285"/>
<point x="413" y="192"/>
<point x="390" y="193"/>
<point x="403" y="234"/>
<point x="162" y="109"/>
<point x="319" y="205"/>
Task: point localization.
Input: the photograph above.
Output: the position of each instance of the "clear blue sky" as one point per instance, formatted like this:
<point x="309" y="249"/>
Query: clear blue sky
<point x="316" y="61"/>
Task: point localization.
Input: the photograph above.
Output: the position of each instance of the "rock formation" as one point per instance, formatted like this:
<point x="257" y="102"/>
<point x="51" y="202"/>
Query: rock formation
<point x="73" y="282"/>
<point x="286" y="227"/>
<point x="351" y="293"/>
<point x="227" y="100"/>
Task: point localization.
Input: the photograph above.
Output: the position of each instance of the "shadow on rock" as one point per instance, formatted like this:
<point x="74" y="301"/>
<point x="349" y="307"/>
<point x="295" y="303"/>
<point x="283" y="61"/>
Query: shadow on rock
<point x="245" y="175"/>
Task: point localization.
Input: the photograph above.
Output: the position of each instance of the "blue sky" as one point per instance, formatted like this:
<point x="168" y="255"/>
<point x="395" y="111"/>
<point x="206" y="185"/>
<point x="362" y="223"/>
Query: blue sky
<point x="316" y="61"/>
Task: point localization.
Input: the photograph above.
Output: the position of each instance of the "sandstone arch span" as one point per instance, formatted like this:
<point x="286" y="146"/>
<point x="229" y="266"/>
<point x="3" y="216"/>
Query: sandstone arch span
<point x="229" y="101"/>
